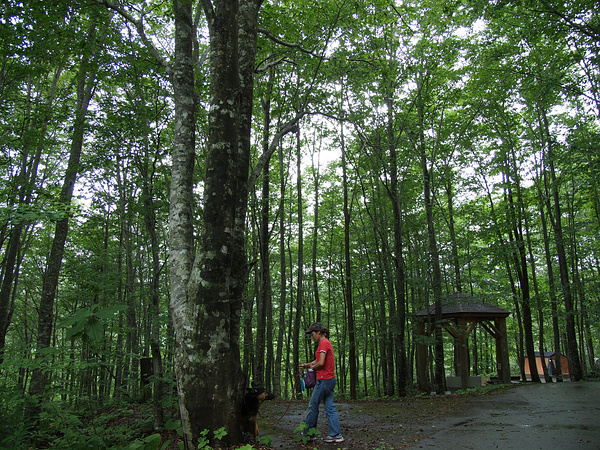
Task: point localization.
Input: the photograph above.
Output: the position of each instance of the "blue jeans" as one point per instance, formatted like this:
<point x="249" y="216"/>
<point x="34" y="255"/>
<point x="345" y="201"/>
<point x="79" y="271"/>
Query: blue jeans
<point x="323" y="392"/>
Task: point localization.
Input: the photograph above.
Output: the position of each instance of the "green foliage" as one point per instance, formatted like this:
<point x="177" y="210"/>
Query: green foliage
<point x="267" y="441"/>
<point x="174" y="425"/>
<point x="305" y="434"/>
<point x="13" y="430"/>
<point x="204" y="441"/>
<point x="89" y="324"/>
<point x="151" y="442"/>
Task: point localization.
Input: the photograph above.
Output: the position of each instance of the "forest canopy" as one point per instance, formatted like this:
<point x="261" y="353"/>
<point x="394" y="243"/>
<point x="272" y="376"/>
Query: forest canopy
<point x="180" y="199"/>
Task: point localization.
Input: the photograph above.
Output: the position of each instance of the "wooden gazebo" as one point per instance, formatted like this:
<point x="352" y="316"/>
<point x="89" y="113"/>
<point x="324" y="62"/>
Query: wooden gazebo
<point x="461" y="313"/>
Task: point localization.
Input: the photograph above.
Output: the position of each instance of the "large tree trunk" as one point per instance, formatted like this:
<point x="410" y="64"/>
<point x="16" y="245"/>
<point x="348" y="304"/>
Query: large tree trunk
<point x="207" y="296"/>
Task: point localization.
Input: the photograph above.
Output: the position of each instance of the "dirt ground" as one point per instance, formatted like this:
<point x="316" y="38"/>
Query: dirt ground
<point x="514" y="416"/>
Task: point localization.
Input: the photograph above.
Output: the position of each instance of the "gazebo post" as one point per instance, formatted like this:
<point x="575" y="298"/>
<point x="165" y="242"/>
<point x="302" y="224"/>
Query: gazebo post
<point x="502" y="360"/>
<point x="463" y="353"/>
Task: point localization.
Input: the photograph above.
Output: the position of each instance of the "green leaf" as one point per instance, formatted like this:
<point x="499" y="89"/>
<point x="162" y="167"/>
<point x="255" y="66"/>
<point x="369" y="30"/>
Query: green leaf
<point x="110" y="311"/>
<point x="94" y="329"/>
<point x="76" y="329"/>
<point x="153" y="441"/>
<point x="172" y="424"/>
<point x="220" y="433"/>
<point x="77" y="316"/>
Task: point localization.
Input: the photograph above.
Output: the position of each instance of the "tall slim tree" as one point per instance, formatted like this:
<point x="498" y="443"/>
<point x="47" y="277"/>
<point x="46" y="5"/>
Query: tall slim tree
<point x="86" y="82"/>
<point x="573" y="352"/>
<point x="300" y="263"/>
<point x="347" y="283"/>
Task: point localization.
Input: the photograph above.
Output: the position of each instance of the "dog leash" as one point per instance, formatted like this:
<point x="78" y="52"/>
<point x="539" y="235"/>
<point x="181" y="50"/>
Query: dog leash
<point x="290" y="402"/>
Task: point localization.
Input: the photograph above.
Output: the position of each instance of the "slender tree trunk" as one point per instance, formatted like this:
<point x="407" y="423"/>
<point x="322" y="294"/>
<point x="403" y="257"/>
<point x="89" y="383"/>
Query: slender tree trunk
<point x="540" y="310"/>
<point x="551" y="286"/>
<point x="122" y="354"/>
<point x="397" y="314"/>
<point x="434" y="262"/>
<point x="453" y="242"/>
<point x="386" y="349"/>
<point x="347" y="277"/>
<point x="150" y="221"/>
<point x="26" y="180"/>
<point x="131" y="363"/>
<point x="520" y="263"/>
<point x="315" y="277"/>
<point x="586" y="327"/>
<point x="86" y="81"/>
<point x="573" y="352"/>
<point x="264" y="293"/>
<point x="300" y="276"/>
<point x="283" y="278"/>
<point x="502" y="244"/>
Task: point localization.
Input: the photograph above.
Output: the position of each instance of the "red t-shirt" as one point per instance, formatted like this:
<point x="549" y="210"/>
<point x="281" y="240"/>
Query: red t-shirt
<point x="327" y="372"/>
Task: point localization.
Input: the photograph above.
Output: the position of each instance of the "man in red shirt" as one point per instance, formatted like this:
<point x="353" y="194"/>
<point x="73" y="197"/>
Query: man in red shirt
<point x="324" y="364"/>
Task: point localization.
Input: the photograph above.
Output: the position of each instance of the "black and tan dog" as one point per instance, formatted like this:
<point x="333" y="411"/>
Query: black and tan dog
<point x="252" y="401"/>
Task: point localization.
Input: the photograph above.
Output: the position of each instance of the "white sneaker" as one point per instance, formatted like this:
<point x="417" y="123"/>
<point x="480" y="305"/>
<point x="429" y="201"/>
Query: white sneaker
<point x="338" y="439"/>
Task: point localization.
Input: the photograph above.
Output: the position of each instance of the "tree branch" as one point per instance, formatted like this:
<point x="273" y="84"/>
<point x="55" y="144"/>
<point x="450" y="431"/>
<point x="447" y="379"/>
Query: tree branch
<point x="275" y="39"/>
<point x="139" y="26"/>
<point x="290" y="126"/>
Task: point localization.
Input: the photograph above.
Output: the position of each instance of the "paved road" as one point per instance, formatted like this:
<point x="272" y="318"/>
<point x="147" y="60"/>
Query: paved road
<point x="560" y="416"/>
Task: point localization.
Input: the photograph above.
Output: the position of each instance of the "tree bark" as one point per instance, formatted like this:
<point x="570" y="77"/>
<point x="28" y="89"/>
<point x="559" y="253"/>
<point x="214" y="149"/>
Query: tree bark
<point x="207" y="295"/>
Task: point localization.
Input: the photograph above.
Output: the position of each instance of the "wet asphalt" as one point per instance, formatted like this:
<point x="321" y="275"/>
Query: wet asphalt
<point x="561" y="416"/>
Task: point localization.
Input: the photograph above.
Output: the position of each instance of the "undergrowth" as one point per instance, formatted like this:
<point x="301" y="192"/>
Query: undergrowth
<point x="117" y="425"/>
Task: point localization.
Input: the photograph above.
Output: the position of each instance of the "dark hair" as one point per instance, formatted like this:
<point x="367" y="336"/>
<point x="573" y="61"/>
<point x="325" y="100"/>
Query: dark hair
<point x="319" y="328"/>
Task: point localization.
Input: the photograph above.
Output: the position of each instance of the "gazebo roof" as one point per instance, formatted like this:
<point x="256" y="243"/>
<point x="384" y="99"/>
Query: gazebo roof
<point x="461" y="305"/>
